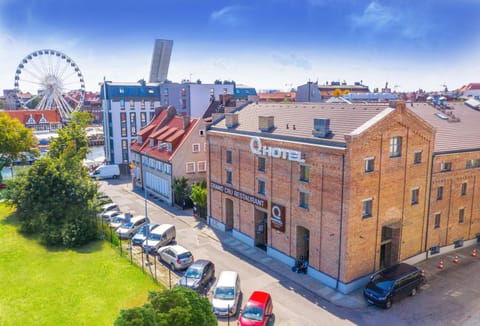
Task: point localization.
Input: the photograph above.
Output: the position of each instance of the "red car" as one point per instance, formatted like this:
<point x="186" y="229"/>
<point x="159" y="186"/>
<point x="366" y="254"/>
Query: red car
<point x="257" y="311"/>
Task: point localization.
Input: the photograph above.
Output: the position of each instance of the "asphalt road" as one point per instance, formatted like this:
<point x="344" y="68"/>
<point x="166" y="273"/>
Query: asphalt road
<point x="451" y="297"/>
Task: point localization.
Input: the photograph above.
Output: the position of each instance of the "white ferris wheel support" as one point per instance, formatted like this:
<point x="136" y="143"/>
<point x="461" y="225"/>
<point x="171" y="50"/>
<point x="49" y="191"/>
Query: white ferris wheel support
<point x="54" y="80"/>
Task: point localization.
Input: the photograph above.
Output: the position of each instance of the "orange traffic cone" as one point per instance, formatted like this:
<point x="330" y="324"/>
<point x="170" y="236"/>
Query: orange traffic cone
<point x="440" y="265"/>
<point x="474" y="252"/>
<point x="456" y="260"/>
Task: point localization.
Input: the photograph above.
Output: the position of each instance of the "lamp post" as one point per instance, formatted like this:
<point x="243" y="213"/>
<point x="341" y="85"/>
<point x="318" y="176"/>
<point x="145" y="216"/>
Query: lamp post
<point x="144" y="184"/>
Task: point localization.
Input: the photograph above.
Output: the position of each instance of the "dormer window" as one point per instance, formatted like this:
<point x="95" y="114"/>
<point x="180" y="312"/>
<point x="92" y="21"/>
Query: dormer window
<point x="43" y="119"/>
<point x="152" y="142"/>
<point x="31" y="120"/>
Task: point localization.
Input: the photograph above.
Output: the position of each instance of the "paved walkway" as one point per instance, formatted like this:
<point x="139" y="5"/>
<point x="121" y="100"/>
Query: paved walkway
<point x="309" y="285"/>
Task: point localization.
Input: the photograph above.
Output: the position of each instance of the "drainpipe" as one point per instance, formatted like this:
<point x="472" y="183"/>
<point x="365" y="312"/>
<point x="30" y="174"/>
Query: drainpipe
<point x="428" y="206"/>
<point x="341" y="223"/>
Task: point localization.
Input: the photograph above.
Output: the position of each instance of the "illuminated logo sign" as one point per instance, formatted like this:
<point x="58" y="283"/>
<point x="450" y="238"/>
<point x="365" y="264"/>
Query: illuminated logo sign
<point x="278" y="217"/>
<point x="275" y="152"/>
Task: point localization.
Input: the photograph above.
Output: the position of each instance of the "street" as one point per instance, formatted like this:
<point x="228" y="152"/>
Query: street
<point x="451" y="297"/>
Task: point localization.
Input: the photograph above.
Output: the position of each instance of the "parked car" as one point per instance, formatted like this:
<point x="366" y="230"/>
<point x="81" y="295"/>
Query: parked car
<point x="119" y="220"/>
<point x="141" y="235"/>
<point x="226" y="295"/>
<point x="392" y="284"/>
<point x="257" y="310"/>
<point x="108" y="216"/>
<point x="104" y="199"/>
<point x="108" y="207"/>
<point x="128" y="229"/>
<point x="198" y="275"/>
<point x="175" y="256"/>
<point x="161" y="236"/>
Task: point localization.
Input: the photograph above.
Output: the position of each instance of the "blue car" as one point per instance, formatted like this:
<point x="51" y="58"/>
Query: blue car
<point x="140" y="236"/>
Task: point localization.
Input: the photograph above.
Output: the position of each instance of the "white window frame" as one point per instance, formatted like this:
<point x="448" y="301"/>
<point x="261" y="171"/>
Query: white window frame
<point x="196" y="148"/>
<point x="369" y="160"/>
<point x="201" y="166"/>
<point x="190" y="167"/>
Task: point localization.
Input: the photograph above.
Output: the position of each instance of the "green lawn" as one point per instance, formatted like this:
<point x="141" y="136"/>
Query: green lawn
<point x="51" y="286"/>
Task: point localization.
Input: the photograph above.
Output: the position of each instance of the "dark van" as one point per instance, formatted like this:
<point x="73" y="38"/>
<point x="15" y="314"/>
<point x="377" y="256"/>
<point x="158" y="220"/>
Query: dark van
<point x="392" y="284"/>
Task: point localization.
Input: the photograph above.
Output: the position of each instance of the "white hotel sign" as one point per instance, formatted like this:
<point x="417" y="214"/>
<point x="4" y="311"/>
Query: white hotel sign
<point x="275" y="152"/>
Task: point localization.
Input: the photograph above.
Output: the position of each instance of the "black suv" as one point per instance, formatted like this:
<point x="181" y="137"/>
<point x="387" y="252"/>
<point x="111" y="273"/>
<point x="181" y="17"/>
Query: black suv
<point x="393" y="283"/>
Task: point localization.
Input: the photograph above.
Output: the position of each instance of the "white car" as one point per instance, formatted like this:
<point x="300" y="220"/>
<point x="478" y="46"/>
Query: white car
<point x="119" y="220"/>
<point x="108" y="216"/>
<point x="128" y="229"/>
<point x="175" y="256"/>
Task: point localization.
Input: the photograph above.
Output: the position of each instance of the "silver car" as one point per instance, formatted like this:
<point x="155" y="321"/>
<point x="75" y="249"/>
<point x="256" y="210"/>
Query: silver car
<point x="175" y="256"/>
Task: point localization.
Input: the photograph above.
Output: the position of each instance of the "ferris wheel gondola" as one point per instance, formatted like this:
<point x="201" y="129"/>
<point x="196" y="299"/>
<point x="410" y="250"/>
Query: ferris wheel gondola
<point x="54" y="80"/>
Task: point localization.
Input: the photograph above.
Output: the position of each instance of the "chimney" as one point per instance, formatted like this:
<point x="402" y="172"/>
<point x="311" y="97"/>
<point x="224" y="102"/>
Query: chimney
<point x="231" y="120"/>
<point x="321" y="128"/>
<point x="186" y="121"/>
<point x="265" y="123"/>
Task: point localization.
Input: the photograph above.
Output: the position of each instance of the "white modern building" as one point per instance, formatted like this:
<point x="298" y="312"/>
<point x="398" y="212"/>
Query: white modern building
<point x="126" y="107"/>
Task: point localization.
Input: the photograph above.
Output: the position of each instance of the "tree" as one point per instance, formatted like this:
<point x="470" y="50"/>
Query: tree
<point x="178" y="306"/>
<point x="15" y="141"/>
<point x="55" y="197"/>
<point x="181" y="190"/>
<point x="199" y="197"/>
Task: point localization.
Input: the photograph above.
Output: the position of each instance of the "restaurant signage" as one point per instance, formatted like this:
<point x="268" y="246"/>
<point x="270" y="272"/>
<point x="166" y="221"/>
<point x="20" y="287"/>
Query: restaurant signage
<point x="240" y="195"/>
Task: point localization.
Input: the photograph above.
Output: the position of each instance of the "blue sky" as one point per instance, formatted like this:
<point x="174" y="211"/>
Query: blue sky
<point x="267" y="44"/>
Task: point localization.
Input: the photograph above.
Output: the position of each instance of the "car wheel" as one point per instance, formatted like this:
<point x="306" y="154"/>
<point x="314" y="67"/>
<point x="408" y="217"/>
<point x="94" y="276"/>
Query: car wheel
<point x="414" y="292"/>
<point x="388" y="304"/>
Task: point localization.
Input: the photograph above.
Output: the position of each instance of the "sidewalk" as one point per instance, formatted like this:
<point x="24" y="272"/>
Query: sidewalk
<point x="302" y="283"/>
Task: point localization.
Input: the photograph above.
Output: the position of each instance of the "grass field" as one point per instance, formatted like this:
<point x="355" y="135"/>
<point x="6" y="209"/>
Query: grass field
<point x="55" y="286"/>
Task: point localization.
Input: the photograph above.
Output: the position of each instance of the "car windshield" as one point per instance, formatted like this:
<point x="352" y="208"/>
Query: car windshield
<point x="155" y="237"/>
<point x="184" y="255"/>
<point x="381" y="283"/>
<point x="253" y="312"/>
<point x="118" y="219"/>
<point x="127" y="225"/>
<point x="193" y="273"/>
<point x="224" y="293"/>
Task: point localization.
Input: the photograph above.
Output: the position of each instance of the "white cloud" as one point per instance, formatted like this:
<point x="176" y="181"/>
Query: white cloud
<point x="292" y="60"/>
<point x="375" y="16"/>
<point x="230" y="15"/>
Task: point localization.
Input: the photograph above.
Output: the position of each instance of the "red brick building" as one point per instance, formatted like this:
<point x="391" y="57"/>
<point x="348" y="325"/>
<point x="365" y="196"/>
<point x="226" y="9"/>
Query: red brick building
<point x="347" y="187"/>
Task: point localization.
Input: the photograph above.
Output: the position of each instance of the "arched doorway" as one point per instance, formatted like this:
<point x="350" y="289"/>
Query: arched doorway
<point x="228" y="214"/>
<point x="303" y="243"/>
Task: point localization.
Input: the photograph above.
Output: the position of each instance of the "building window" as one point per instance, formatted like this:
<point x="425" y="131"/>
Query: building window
<point x="304" y="173"/>
<point x="201" y="166"/>
<point x="367" y="208"/>
<point x="437" y="220"/>
<point x="152" y="105"/>
<point x="463" y="190"/>
<point x="196" y="148"/>
<point x="304" y="197"/>
<point x="133" y="124"/>
<point x="461" y="215"/>
<point x="261" y="187"/>
<point x="190" y="167"/>
<point x="143" y="119"/>
<point x="446" y="166"/>
<point x="168" y="169"/>
<point x="417" y="158"/>
<point x="122" y="104"/>
<point x="142" y="104"/>
<point x="123" y="124"/>
<point x="229" y="156"/>
<point x="125" y="150"/>
<point x="202" y="133"/>
<point x="473" y="163"/>
<point x="440" y="193"/>
<point x="229" y="177"/>
<point x="369" y="164"/>
<point x="152" y="115"/>
<point x="261" y="164"/>
<point x="415" y="193"/>
<point x="132" y="104"/>
<point x="395" y="146"/>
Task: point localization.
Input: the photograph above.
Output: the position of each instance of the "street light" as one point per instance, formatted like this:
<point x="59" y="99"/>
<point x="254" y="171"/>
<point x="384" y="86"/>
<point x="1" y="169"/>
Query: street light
<point x="144" y="184"/>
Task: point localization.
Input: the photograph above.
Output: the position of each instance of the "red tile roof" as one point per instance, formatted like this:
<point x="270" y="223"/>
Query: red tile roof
<point x="163" y="129"/>
<point x="52" y="116"/>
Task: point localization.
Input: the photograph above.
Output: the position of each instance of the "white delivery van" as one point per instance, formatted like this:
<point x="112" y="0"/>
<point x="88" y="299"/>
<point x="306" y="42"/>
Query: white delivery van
<point x="106" y="172"/>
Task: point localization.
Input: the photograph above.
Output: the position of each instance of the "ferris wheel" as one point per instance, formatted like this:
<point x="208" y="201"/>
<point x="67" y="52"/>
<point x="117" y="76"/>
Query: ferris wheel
<point x="54" y="81"/>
